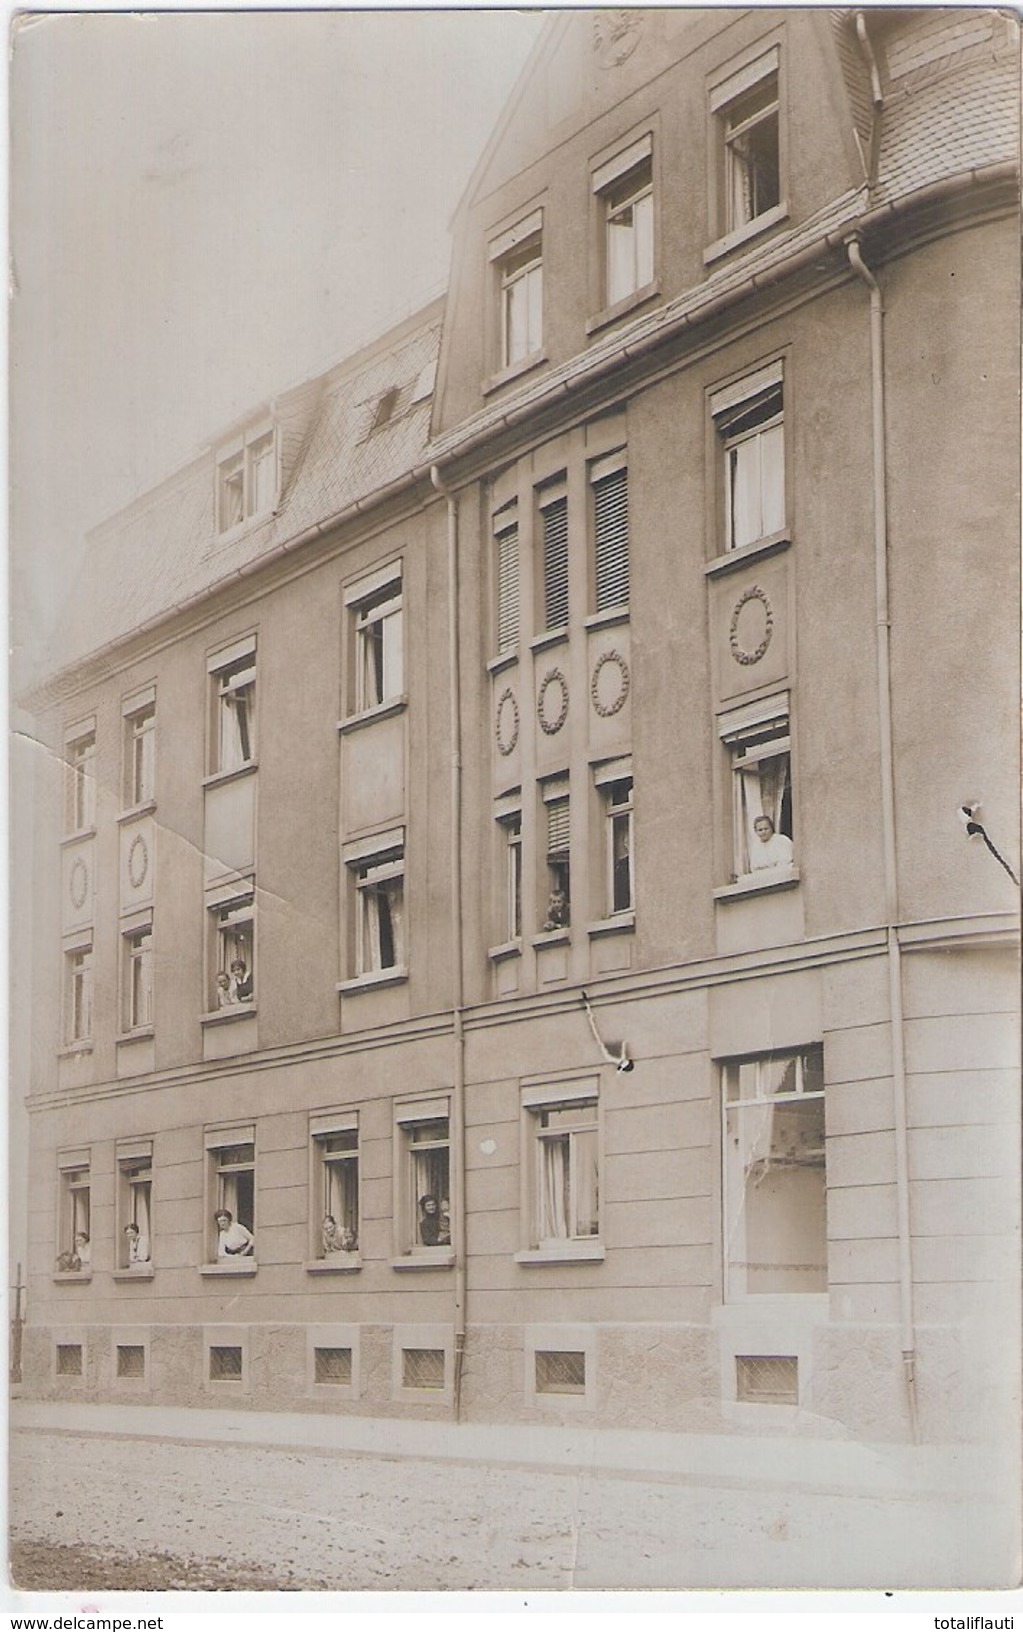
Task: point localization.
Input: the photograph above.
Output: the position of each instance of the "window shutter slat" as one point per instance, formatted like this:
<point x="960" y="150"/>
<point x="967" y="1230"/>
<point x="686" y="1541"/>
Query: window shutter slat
<point x="555" y="563"/>
<point x="508" y="589"/>
<point x="557" y="826"/>
<point x="611" y="539"/>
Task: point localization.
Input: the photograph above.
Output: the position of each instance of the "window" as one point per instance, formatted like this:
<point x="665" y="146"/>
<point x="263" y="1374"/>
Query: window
<point x="332" y="1366"/>
<point x="749" y="421"/>
<point x="78" y="994"/>
<point x="140" y="752"/>
<point x="758" y="743"/>
<point x="134" y="1204"/>
<point x="774" y="1175"/>
<point x="379" y="882"/>
<point x="233" y="954"/>
<point x="335" y="1220"/>
<point x="614" y="783"/>
<point x="510" y="827"/>
<point x="745" y="107"/>
<point x="375" y="606"/>
<point x="422" y="1368"/>
<point x="74" y="1239"/>
<point x="610" y="482"/>
<point x="423" y="1209"/>
<point x="233" y="704"/>
<point x="247" y="480"/>
<point x="506" y="535"/>
<point x="80" y="798"/>
<point x="68" y="1362"/>
<point x="561" y="1127"/>
<point x="554" y="525"/>
<point x="625" y="188"/>
<point x="137" y="978"/>
<point x="767" y="1379"/>
<point x="560" y="1371"/>
<point x="231" y="1157"/>
<point x="131" y="1361"/>
<point x="225" y="1363"/>
<point x="559" y="871"/>
<point x="517" y="259"/>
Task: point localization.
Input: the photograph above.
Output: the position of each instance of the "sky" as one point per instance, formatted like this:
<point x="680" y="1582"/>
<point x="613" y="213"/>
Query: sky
<point x="206" y="209"/>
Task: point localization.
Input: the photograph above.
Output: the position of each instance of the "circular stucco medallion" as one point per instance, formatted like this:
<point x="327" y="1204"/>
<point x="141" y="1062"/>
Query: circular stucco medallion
<point x="506" y="722"/>
<point x="751" y="627"/>
<point x="610" y="683"/>
<point x="551" y="721"/>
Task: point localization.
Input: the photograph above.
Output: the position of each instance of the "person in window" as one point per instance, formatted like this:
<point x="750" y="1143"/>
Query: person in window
<point x="225" y="996"/>
<point x="138" y="1245"/>
<point x="557" y="910"/>
<point x="434" y="1230"/>
<point x="445" y="1223"/>
<point x="241" y="982"/>
<point x="68" y="1262"/>
<point x="83" y="1251"/>
<point x="336" y="1238"/>
<point x="769" y="849"/>
<point x="233" y="1239"/>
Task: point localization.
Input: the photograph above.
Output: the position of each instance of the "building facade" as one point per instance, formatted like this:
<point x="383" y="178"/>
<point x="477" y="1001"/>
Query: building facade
<point x="504" y="844"/>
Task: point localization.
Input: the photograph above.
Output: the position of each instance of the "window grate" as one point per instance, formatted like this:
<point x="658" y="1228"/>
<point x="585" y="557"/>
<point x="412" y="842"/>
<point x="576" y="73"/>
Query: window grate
<point x="225" y="1363"/>
<point x="611" y="539"/>
<point x="767" y="1379"/>
<point x="555" y="563"/>
<point x="560" y="1371"/>
<point x="508" y="589"/>
<point x="332" y="1365"/>
<point x="131" y="1360"/>
<point x="422" y="1368"/>
<point x="69" y="1359"/>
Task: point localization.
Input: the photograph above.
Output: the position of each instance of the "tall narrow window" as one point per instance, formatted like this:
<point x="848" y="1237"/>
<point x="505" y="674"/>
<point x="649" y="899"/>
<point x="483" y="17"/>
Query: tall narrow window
<point x="232" y="955"/>
<point x="380" y="912"/>
<point x="231" y="1194"/>
<point x="618" y="807"/>
<point x="80" y="796"/>
<point x="233" y="704"/>
<point x="78" y="994"/>
<point x="757" y="739"/>
<point x="753" y="436"/>
<point x="74" y="1217"/>
<point x="625" y="188"/>
<point x="134" y="1203"/>
<point x="554" y="516"/>
<point x="566" y="1192"/>
<point x="424" y="1166"/>
<point x="752" y="184"/>
<point x="378" y="630"/>
<point x="774" y="1174"/>
<point x="511" y="831"/>
<point x="521" y="275"/>
<point x="506" y="534"/>
<point x="137" y="977"/>
<point x="559" y="870"/>
<point x="336" y="1178"/>
<point x="247" y="479"/>
<point x="140" y="753"/>
<point x="610" y="481"/>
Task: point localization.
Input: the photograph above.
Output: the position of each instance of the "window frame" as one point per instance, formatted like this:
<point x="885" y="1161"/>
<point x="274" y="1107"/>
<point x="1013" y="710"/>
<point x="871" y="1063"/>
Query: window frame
<point x="216" y="1196"/>
<point x="515" y="255"/>
<point x="74" y="1216"/>
<point x="734" y="1210"/>
<point x="729" y="405"/>
<point x="608" y="776"/>
<point x="133" y="1163"/>
<point x="80" y="784"/>
<point x="138" y="726"/>
<point x="409" y="1251"/>
<point x="538" y="1099"/>
<point x="79" y="947"/>
<point x="225" y="669"/>
<point x="238" y="466"/>
<point x="553" y="575"/>
<point x="556" y="863"/>
<point x="755" y="734"/>
<point x="370" y="864"/>
<point x="728" y="90"/>
<point x="602" y="471"/>
<point x="325" y="1126"/>
<point x="507" y="579"/>
<point x="509" y="823"/>
<point x="226" y="914"/>
<point x="618" y="183"/>
<point x="137" y="961"/>
<point x="375" y="618"/>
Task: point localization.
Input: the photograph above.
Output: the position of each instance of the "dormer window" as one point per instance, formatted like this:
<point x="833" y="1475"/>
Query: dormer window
<point x="517" y="258"/>
<point x="386" y="407"/>
<point x="247" y="479"/>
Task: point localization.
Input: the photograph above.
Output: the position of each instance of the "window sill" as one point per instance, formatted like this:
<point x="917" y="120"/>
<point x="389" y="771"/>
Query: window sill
<point x="224" y="1017"/>
<point x="743" y="234"/>
<point x="622" y="308"/>
<point x="145" y="1272"/>
<point x="759" y="883"/>
<point x="141" y="1034"/>
<point x="621" y="922"/>
<point x="553" y="937"/>
<point x="369" y="716"/>
<point x="245" y="1266"/>
<point x="341" y="1263"/>
<point x="550" y="637"/>
<point x="504" y="661"/>
<point x="773" y="544"/>
<point x="504" y="376"/>
<point x="217" y="778"/>
<point x="508" y="949"/>
<point x="426" y="1258"/>
<point x="365" y="983"/>
<point x="68" y="1277"/>
<point x="607" y="620"/>
<point x="79" y="834"/>
<point x="564" y="1252"/>
<point x="146" y="808"/>
<point x="69" y="1050"/>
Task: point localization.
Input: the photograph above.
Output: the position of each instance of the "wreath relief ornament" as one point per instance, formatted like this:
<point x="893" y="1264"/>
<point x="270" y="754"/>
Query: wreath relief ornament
<point x="78" y="883"/>
<point x="741" y="653"/>
<point x="553" y="677"/>
<point x="604" y="706"/>
<point x="138" y="862"/>
<point x="506" y="743"/>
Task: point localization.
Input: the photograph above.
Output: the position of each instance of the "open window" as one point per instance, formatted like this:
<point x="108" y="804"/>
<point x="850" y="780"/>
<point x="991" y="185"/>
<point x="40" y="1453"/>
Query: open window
<point x="139" y="717"/>
<point x="506" y="541"/>
<point x="233" y="708"/>
<point x="774" y="1174"/>
<point x="749" y="420"/>
<point x="561" y="1137"/>
<point x="557" y="814"/>
<point x="247" y="478"/>
<point x="80" y="779"/>
<point x="423" y="1168"/>
<point x="231" y="1196"/>
<point x="378" y="883"/>
<point x="609" y="479"/>
<point x="745" y="108"/>
<point x="74" y="1213"/>
<point x="335" y="1211"/>
<point x="614" y="786"/>
<point x="134" y="1159"/>
<point x="137" y="977"/>
<point x="377" y="637"/>
<point x="517" y="259"/>
<point x="759" y="748"/>
<point x="624" y="187"/>
<point x="232" y="952"/>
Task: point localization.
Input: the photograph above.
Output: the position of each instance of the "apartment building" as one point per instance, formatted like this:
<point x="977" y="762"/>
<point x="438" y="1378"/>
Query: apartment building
<point x="505" y="846"/>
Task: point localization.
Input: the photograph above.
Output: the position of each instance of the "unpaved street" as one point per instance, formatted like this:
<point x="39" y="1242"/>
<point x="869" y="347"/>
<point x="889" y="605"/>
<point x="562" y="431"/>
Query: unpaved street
<point x="161" y="1514"/>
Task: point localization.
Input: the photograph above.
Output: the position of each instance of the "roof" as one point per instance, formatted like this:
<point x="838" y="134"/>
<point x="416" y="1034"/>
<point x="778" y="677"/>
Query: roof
<point x="164" y="549"/>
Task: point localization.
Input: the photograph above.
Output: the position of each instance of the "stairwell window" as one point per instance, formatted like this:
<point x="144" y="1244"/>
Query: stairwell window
<point x="609" y="480"/>
<point x="749" y="420"/>
<point x="517" y="257"/>
<point x="774" y="1174"/>
<point x="553" y="505"/>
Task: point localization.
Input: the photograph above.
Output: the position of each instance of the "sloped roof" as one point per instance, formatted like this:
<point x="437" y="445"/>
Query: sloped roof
<point x="164" y="549"/>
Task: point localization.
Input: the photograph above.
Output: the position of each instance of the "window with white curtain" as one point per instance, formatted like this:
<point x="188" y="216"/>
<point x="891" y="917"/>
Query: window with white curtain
<point x="751" y="148"/>
<point x="231" y="1184"/>
<point x="74" y="1218"/>
<point x="749" y="419"/>
<point x="521" y="276"/>
<point x="624" y="186"/>
<point x="762" y="802"/>
<point x="335" y="1220"/>
<point x="423" y="1201"/>
<point x="134" y="1203"/>
<point x="774" y="1174"/>
<point x="379" y="883"/>
<point x="565" y="1190"/>
<point x="510" y="826"/>
<point x="379" y="648"/>
<point x="232" y="960"/>
<point x="233" y="704"/>
<point x="247" y="479"/>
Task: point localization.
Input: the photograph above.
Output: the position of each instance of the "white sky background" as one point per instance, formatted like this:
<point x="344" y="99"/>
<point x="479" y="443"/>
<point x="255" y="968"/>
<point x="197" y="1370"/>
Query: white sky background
<point x="206" y="209"/>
